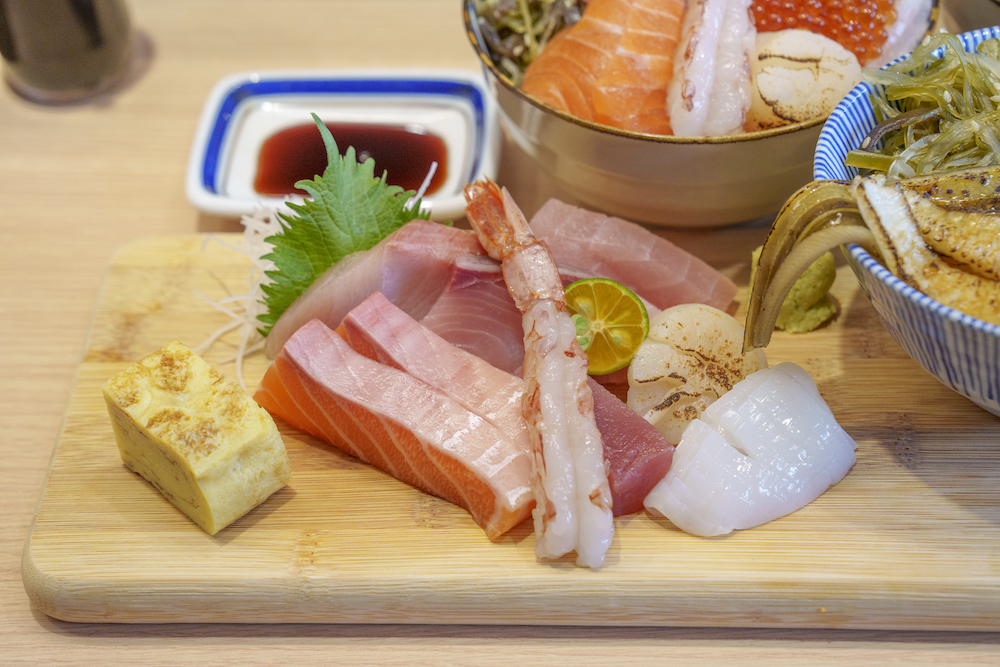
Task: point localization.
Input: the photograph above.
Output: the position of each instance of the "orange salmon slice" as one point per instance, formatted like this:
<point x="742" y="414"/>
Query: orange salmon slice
<point x="395" y="422"/>
<point x="612" y="66"/>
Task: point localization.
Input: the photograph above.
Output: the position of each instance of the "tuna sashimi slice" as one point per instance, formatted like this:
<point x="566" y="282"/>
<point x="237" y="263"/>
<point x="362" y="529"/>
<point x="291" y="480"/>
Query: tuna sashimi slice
<point x="411" y="267"/>
<point x="637" y="456"/>
<point x="632" y="255"/>
<point x="395" y="422"/>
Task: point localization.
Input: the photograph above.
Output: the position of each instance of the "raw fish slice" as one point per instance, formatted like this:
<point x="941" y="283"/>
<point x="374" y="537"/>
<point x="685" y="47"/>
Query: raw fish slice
<point x="631" y="93"/>
<point x="392" y="420"/>
<point x="383" y="332"/>
<point x="573" y="499"/>
<point x="477" y="314"/>
<point x="763" y="450"/>
<point x="709" y="93"/>
<point x="636" y="455"/>
<point x="564" y="73"/>
<point x="630" y="254"/>
<point x="410" y="267"/>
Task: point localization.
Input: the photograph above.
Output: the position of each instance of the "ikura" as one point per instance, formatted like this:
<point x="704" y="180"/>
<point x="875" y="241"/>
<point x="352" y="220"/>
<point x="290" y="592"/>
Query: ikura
<point x="857" y="25"/>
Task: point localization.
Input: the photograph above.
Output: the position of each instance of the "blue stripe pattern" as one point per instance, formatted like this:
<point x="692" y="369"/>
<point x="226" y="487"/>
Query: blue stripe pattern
<point x="375" y="87"/>
<point x="961" y="351"/>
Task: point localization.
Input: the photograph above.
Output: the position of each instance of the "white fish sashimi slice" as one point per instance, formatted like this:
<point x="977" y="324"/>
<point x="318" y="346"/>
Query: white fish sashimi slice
<point x="763" y="450"/>
<point x="411" y="267"/>
<point x="645" y="262"/>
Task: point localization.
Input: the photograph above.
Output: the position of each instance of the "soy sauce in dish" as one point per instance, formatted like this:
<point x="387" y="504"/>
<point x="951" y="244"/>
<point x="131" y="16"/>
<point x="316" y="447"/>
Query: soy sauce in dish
<point x="298" y="153"/>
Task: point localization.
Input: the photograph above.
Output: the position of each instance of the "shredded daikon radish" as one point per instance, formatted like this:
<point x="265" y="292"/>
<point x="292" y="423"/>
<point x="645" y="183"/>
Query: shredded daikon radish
<point x="257" y="227"/>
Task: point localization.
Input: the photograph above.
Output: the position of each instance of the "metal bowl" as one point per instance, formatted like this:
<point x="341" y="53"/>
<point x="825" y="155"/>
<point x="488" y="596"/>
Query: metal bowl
<point x="658" y="180"/>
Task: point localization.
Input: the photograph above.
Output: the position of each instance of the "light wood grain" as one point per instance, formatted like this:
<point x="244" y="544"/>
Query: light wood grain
<point x="78" y="184"/>
<point x="346" y="543"/>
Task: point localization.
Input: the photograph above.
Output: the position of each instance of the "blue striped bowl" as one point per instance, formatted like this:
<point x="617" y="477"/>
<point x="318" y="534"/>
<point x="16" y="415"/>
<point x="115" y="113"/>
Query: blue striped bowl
<point x="962" y="352"/>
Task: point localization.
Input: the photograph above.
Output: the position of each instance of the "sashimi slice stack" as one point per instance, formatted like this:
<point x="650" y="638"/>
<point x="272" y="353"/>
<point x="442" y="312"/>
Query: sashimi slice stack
<point x="402" y="425"/>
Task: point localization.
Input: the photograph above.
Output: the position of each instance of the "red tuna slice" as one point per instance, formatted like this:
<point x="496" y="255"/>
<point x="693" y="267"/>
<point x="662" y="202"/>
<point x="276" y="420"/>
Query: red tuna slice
<point x="411" y="267"/>
<point x="637" y="456"/>
<point x="476" y="313"/>
<point x="630" y="254"/>
<point x="381" y="331"/>
<point x="395" y="422"/>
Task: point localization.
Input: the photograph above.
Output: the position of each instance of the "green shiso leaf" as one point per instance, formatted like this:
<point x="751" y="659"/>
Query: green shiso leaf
<point x="348" y="210"/>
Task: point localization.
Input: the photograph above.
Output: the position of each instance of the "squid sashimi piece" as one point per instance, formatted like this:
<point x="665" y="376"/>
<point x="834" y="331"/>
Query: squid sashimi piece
<point x="564" y="73"/>
<point x="570" y="483"/>
<point x="410" y="267"/>
<point x="636" y="455"/>
<point x="630" y="254"/>
<point x="397" y="423"/>
<point x="763" y="450"/>
<point x="710" y="91"/>
<point x="631" y="93"/>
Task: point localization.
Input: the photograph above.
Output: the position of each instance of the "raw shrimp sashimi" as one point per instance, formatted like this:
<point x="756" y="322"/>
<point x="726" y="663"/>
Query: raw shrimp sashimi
<point x="397" y="423"/>
<point x="613" y="65"/>
<point x="570" y="483"/>
<point x="630" y="254"/>
<point x="766" y="448"/>
<point x="410" y="267"/>
<point x="710" y="91"/>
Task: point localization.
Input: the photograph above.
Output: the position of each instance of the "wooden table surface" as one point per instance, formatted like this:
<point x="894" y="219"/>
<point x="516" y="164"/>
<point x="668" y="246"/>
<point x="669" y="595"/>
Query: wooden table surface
<point x="77" y="183"/>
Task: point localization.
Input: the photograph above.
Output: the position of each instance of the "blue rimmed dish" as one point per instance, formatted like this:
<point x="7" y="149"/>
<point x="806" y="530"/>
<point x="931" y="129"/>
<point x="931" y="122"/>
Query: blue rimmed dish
<point x="245" y="109"/>
<point x="961" y="351"/>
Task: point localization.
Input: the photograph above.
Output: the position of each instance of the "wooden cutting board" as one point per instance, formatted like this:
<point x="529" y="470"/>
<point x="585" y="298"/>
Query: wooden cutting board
<point x="909" y="539"/>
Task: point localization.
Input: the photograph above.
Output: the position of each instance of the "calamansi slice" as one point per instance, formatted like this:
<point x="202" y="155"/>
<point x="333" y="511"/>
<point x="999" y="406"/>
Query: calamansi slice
<point x="611" y="322"/>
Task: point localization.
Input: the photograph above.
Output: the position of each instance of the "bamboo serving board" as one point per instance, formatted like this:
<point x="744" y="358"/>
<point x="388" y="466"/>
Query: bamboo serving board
<point x="910" y="539"/>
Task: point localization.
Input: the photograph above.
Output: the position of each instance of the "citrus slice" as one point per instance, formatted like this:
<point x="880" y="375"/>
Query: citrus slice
<point x="611" y="322"/>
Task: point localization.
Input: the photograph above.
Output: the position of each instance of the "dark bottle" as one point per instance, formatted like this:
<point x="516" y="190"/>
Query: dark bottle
<point x="63" y="51"/>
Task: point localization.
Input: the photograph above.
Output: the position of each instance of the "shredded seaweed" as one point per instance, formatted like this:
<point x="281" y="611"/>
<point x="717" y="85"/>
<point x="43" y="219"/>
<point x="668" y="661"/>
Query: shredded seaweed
<point x="939" y="110"/>
<point x="515" y="31"/>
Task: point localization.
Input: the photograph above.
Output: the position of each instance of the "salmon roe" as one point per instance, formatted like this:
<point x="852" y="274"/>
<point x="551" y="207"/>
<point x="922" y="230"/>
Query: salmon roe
<point x="857" y="25"/>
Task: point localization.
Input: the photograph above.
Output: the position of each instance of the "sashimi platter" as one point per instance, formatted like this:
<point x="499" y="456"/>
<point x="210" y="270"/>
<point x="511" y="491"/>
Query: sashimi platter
<point x="352" y="413"/>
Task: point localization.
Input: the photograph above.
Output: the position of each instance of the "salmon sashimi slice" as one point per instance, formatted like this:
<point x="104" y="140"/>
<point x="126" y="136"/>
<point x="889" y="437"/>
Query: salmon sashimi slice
<point x="383" y="332"/>
<point x="411" y="267"/>
<point x="394" y="421"/>
<point x="563" y="75"/>
<point x="631" y="92"/>
<point x="632" y="255"/>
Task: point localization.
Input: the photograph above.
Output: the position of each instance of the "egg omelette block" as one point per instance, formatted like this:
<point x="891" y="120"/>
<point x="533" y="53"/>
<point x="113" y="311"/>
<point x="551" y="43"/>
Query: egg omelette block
<point x="196" y="436"/>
